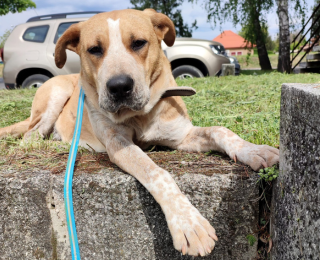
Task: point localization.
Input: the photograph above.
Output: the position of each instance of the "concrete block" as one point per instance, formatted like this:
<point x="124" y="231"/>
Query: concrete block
<point x="227" y="70"/>
<point x="117" y="218"/>
<point x="295" y="223"/>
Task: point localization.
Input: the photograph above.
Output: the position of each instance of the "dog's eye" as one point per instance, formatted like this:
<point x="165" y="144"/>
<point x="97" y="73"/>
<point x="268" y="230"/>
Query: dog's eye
<point x="137" y="45"/>
<point x="96" y="50"/>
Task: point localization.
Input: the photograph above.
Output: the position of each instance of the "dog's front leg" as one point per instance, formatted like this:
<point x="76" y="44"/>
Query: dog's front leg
<point x="202" y="139"/>
<point x="191" y="233"/>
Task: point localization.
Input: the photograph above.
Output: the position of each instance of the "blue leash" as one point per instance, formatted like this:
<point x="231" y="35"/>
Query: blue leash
<point x="68" y="181"/>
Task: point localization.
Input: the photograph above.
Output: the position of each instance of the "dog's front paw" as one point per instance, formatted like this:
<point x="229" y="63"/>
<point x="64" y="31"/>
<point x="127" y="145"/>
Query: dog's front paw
<point x="192" y="234"/>
<point x="257" y="156"/>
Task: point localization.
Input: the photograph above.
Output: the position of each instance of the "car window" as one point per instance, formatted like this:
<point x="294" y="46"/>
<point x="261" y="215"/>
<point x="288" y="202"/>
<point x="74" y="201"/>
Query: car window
<point x="36" y="34"/>
<point x="61" y="29"/>
<point x="219" y="49"/>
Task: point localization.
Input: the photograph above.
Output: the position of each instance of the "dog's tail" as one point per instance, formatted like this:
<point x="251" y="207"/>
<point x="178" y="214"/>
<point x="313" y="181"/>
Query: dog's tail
<point x="16" y="130"/>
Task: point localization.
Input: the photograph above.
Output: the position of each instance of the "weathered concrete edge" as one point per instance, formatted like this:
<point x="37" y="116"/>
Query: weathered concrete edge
<point x="53" y="185"/>
<point x="293" y="107"/>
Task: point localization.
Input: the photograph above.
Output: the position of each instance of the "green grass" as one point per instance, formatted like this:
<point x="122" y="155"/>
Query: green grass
<point x="249" y="105"/>
<point x="254" y="61"/>
<point x="15" y="105"/>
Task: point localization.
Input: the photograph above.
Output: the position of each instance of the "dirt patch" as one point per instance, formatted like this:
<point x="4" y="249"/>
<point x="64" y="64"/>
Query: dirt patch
<point x="173" y="161"/>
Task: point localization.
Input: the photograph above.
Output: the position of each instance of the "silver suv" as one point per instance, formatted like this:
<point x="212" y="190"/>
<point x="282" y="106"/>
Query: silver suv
<point x="28" y="54"/>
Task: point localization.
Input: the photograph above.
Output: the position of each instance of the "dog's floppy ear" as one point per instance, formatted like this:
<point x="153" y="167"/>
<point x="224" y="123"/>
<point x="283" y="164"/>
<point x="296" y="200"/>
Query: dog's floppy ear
<point x="69" y="40"/>
<point x="163" y="26"/>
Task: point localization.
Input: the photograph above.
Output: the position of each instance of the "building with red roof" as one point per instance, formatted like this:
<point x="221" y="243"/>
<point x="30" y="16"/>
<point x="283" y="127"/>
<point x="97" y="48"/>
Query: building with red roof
<point x="234" y="43"/>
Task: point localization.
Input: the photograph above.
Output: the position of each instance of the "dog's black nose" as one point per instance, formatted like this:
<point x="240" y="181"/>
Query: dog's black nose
<point x="120" y="86"/>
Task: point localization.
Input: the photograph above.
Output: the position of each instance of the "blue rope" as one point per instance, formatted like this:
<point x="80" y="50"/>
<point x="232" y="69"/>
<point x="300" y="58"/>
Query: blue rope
<point x="68" y="181"/>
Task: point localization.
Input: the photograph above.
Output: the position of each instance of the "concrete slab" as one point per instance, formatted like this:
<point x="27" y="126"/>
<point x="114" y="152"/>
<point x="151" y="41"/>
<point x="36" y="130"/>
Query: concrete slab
<point x="117" y="218"/>
<point x="295" y="223"/>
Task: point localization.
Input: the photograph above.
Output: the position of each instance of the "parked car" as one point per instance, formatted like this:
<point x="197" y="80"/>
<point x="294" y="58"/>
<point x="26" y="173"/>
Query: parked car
<point x="28" y="54"/>
<point x="197" y="58"/>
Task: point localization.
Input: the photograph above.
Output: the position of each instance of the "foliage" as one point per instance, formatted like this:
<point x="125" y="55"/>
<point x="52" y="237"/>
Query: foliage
<point x="169" y="8"/>
<point x="269" y="174"/>
<point x="270" y="44"/>
<point x="251" y="239"/>
<point x="14" y="6"/>
<point x="248" y="58"/>
<point x="294" y="45"/>
<point x="4" y="37"/>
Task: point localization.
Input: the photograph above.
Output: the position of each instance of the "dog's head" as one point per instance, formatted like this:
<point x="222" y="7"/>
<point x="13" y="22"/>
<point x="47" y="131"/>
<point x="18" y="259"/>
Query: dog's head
<point x="120" y="54"/>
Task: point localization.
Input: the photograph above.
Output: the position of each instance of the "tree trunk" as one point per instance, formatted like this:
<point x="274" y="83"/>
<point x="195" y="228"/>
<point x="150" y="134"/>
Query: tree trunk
<point x="284" y="37"/>
<point x="264" y="60"/>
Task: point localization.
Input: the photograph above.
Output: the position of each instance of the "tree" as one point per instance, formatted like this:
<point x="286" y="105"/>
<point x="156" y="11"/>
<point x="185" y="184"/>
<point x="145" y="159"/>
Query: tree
<point x="315" y="30"/>
<point x="169" y="8"/>
<point x="284" y="30"/>
<point x="284" y="37"/>
<point x="4" y="37"/>
<point x="14" y="6"/>
<point x="247" y="13"/>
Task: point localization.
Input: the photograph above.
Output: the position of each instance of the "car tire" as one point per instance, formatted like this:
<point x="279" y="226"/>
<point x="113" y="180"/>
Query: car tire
<point x="186" y="71"/>
<point x="34" y="81"/>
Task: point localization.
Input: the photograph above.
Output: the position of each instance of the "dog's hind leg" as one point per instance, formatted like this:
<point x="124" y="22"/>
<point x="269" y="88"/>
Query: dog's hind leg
<point x="217" y="138"/>
<point x="16" y="130"/>
<point x="47" y="105"/>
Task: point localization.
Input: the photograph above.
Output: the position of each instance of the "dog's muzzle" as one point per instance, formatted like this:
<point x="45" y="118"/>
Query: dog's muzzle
<point x="123" y="92"/>
<point x="120" y="87"/>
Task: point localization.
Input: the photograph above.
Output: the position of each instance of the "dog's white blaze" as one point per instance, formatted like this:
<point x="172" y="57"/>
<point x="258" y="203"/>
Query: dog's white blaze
<point x="119" y="60"/>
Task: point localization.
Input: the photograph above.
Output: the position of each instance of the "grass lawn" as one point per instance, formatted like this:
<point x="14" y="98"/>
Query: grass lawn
<point x="254" y="61"/>
<point x="249" y="105"/>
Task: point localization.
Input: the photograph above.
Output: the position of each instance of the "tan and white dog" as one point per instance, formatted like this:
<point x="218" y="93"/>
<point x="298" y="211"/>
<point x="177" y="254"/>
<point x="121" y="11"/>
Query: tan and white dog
<point x="124" y="74"/>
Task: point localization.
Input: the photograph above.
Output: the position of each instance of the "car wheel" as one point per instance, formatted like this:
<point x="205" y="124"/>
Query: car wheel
<point x="34" y="81"/>
<point x="186" y="71"/>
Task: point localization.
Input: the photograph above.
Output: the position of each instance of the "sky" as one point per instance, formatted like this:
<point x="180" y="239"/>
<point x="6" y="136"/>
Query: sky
<point x="190" y="12"/>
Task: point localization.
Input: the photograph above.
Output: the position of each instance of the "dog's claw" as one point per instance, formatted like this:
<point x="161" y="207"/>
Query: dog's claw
<point x="201" y="251"/>
<point x="214" y="237"/>
<point x="235" y="158"/>
<point x="184" y="249"/>
<point x="264" y="164"/>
